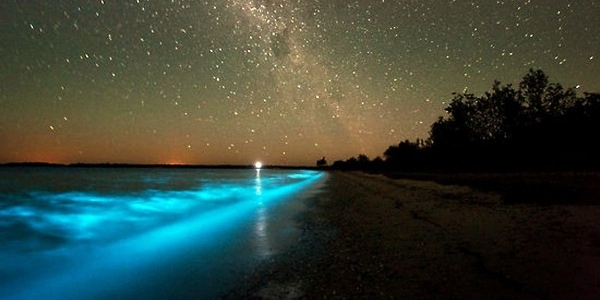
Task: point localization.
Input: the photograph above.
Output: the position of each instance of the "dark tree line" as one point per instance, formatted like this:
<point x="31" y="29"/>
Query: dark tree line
<point x="536" y="126"/>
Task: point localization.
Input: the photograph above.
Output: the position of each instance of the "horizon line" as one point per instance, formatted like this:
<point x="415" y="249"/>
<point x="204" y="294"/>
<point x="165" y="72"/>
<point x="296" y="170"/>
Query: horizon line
<point x="152" y="165"/>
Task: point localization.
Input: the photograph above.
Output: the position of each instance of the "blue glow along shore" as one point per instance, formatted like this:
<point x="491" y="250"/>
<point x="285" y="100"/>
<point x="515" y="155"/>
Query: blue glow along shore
<point x="143" y="233"/>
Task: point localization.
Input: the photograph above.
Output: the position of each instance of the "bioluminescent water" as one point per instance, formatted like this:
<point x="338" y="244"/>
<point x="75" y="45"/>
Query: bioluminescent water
<point x="104" y="233"/>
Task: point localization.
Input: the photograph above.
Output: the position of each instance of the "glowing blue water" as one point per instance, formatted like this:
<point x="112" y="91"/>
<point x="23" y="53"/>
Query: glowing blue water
<point x="69" y="233"/>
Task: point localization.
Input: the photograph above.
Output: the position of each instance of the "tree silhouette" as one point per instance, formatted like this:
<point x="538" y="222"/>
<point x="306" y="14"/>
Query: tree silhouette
<point x="538" y="126"/>
<point x="407" y="156"/>
<point x="321" y="162"/>
<point x="528" y="128"/>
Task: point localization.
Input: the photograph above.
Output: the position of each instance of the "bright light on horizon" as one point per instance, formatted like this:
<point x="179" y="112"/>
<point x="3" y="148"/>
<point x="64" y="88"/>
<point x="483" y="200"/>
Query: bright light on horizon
<point x="258" y="165"/>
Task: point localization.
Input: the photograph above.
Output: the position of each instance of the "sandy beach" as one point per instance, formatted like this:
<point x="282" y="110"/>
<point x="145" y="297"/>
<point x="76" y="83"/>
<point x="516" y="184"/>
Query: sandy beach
<point x="371" y="237"/>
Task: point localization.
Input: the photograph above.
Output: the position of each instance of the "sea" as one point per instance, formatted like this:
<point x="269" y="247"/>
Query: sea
<point x="144" y="233"/>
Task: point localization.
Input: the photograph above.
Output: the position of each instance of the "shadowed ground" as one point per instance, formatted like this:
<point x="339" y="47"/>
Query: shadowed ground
<point x="370" y="236"/>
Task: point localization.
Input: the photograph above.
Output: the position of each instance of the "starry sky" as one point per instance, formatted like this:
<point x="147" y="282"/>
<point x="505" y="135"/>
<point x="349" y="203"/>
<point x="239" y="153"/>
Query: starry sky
<point x="285" y="82"/>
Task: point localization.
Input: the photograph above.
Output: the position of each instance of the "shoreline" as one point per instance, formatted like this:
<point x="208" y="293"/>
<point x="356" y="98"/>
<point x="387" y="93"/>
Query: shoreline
<point x="369" y="236"/>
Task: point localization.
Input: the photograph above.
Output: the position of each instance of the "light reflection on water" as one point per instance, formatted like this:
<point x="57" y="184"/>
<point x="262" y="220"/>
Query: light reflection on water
<point x="261" y="239"/>
<point x="144" y="233"/>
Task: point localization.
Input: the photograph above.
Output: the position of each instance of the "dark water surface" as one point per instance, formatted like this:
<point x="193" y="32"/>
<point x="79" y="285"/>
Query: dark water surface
<point x="97" y="233"/>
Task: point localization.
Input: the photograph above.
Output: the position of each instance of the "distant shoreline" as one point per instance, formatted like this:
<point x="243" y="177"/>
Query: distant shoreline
<point x="149" y="166"/>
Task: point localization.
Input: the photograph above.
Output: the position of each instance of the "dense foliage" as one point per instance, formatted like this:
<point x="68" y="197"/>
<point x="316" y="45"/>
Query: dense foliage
<point x="537" y="126"/>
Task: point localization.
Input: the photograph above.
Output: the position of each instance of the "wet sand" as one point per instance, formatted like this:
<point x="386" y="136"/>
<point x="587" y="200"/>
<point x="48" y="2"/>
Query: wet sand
<point x="371" y="237"/>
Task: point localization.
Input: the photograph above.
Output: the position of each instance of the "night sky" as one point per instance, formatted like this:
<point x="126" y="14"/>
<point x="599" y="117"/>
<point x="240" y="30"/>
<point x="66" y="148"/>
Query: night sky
<point x="285" y="82"/>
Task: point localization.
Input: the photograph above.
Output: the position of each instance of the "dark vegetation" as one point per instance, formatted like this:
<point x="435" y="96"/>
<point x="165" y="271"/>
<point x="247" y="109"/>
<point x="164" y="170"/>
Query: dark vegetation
<point x="535" y="143"/>
<point x="537" y="126"/>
